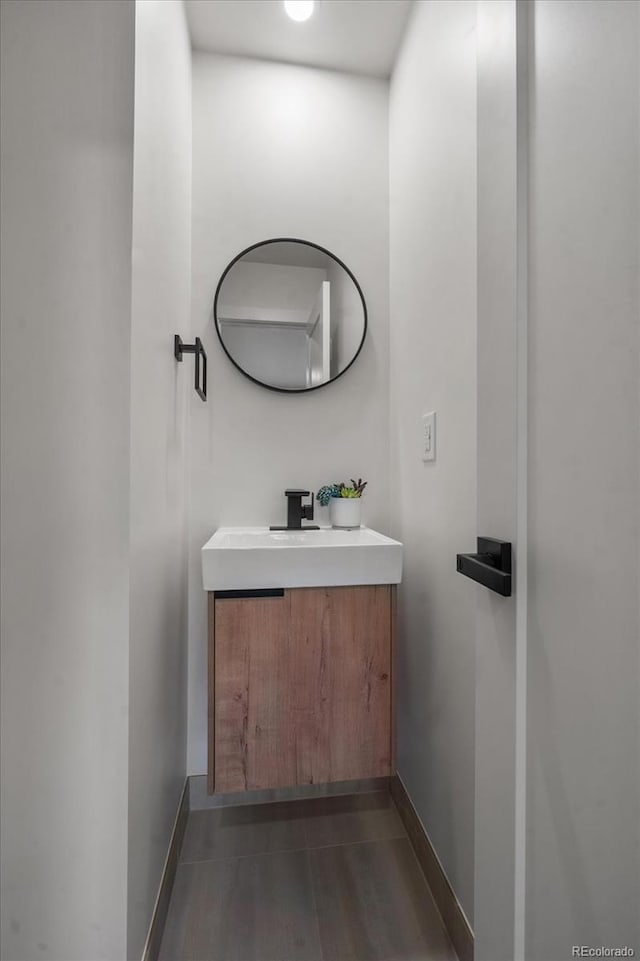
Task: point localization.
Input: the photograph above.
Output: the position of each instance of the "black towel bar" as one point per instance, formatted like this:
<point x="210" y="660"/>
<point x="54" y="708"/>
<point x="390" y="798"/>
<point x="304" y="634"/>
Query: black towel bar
<point x="179" y="349"/>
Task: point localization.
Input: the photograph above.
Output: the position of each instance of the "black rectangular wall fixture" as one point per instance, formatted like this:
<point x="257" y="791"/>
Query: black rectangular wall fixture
<point x="200" y="375"/>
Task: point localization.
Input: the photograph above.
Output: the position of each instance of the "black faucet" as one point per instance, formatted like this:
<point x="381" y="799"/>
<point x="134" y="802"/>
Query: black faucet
<point x="297" y="512"/>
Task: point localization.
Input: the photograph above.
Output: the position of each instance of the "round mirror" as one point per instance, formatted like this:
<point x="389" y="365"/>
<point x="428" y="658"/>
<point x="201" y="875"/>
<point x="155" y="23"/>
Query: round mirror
<point x="290" y="315"/>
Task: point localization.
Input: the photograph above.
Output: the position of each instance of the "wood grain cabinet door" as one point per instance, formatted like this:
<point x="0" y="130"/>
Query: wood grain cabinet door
<point x="301" y="686"/>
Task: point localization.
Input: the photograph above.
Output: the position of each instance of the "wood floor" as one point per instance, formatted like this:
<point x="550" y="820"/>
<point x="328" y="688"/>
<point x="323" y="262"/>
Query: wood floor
<point x="325" y="879"/>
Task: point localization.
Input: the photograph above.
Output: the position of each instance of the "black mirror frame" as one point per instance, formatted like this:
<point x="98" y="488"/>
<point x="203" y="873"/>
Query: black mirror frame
<point x="308" y="243"/>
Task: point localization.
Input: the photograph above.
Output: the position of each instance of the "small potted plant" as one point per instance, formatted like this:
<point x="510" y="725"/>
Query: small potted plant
<point x="344" y="503"/>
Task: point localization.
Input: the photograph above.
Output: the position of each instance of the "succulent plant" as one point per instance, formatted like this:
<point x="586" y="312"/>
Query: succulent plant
<point x="325" y="493"/>
<point x="358" y="486"/>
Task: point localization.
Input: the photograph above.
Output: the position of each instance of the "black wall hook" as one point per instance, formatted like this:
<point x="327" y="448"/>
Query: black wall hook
<point x="179" y="349"/>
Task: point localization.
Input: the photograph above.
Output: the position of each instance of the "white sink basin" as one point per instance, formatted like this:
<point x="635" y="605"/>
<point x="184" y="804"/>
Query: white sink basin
<point x="243" y="558"/>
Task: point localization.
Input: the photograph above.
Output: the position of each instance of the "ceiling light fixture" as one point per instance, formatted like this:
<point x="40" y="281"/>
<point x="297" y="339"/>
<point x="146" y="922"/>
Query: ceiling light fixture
<point x="299" y="10"/>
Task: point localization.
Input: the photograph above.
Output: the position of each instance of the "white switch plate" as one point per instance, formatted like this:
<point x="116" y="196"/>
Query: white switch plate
<point x="428" y="451"/>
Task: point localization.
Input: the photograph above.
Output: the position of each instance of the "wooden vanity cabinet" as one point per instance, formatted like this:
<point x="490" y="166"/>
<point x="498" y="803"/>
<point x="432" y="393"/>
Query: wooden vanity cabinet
<point x="300" y="687"/>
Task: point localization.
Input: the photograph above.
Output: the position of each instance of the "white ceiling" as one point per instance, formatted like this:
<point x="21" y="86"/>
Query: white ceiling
<point x="359" y="36"/>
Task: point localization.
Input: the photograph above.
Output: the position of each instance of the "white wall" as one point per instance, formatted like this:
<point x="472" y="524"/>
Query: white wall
<point x="160" y="393"/>
<point x="280" y="151"/>
<point x="433" y="367"/>
<point x="67" y="146"/>
<point x="249" y="284"/>
<point x="273" y="355"/>
<point x="583" y="883"/>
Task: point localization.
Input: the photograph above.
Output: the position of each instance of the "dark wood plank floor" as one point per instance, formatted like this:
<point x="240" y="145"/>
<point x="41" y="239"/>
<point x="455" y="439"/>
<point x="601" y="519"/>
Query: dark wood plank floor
<point x="327" y="879"/>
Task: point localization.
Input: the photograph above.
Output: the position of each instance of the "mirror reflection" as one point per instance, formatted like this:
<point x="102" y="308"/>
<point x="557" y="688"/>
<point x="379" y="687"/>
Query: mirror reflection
<point x="290" y="315"/>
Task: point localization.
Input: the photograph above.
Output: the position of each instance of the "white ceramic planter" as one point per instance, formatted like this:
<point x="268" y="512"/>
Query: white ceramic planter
<point x="345" y="512"/>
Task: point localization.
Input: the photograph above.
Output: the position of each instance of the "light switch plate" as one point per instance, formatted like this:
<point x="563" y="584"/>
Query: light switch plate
<point x="429" y="436"/>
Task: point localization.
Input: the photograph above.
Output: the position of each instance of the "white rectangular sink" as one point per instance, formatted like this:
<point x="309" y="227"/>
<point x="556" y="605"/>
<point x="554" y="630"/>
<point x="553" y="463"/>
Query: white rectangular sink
<point x="245" y="558"/>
